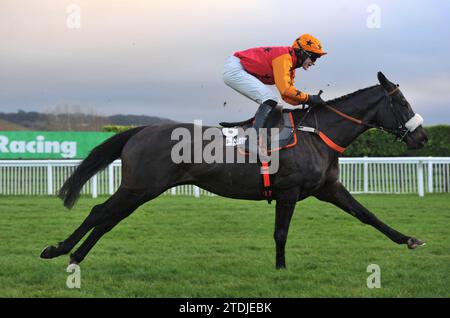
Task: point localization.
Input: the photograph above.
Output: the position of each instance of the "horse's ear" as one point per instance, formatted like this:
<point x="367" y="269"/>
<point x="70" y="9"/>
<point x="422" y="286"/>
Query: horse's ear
<point x="383" y="80"/>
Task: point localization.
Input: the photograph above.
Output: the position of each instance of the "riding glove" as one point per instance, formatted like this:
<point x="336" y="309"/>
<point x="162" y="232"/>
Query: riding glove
<point x="315" y="100"/>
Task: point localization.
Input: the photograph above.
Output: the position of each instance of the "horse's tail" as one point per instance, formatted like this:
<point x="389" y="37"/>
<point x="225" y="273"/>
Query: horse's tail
<point x="99" y="158"/>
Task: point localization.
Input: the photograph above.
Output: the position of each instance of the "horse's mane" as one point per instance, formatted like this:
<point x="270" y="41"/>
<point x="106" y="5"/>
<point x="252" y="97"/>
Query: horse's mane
<point x="348" y="96"/>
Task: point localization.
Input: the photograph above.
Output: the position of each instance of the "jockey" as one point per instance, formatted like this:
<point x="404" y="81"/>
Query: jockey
<point x="248" y="71"/>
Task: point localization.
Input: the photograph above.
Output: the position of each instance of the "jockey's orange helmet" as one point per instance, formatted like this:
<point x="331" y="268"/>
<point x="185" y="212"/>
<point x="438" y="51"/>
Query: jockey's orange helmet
<point x="310" y="44"/>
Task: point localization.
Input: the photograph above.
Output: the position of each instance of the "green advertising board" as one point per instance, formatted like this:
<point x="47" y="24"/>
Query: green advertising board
<point x="49" y="144"/>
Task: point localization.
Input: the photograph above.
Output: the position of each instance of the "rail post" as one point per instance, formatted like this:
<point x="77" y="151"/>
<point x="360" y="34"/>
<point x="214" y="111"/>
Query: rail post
<point x="430" y="176"/>
<point x="49" y="179"/>
<point x="366" y="175"/>
<point x="94" y="186"/>
<point x="111" y="179"/>
<point x="420" y="178"/>
<point x="196" y="192"/>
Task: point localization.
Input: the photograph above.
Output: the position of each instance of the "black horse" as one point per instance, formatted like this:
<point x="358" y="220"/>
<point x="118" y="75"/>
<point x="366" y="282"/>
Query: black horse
<point x="308" y="169"/>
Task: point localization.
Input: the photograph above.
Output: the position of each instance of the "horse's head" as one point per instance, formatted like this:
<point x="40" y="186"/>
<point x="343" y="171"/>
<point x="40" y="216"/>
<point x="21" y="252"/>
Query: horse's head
<point x="398" y="116"/>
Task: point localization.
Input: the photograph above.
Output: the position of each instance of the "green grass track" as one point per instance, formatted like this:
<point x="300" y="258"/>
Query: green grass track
<point x="177" y="246"/>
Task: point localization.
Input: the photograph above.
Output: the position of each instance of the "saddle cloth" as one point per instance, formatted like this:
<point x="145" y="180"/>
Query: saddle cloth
<point x="275" y="138"/>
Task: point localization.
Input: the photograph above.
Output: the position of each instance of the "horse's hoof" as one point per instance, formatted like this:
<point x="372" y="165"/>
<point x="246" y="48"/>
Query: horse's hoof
<point x="48" y="252"/>
<point x="72" y="260"/>
<point x="415" y="243"/>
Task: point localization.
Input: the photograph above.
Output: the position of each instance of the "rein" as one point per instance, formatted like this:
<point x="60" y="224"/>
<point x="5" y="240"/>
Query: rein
<point x="360" y="122"/>
<point x="329" y="142"/>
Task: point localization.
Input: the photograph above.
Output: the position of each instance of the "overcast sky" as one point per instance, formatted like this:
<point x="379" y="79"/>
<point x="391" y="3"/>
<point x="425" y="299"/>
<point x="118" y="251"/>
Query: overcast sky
<point x="164" y="57"/>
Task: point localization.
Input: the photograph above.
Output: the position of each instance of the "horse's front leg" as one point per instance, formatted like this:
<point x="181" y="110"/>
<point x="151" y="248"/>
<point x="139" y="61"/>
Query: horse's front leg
<point x="286" y="201"/>
<point x="338" y="195"/>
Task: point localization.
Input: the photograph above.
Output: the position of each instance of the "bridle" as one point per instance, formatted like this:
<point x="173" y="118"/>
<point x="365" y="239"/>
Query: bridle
<point x="400" y="132"/>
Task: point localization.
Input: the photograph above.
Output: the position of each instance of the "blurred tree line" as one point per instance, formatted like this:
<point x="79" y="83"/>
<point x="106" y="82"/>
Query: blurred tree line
<point x="71" y="118"/>
<point x="375" y="143"/>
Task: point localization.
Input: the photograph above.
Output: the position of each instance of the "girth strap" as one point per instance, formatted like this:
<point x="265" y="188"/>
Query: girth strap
<point x="267" y="192"/>
<point x="324" y="138"/>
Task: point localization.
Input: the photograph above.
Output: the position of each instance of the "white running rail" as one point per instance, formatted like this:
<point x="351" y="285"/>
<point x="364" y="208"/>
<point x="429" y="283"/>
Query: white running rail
<point x="360" y="175"/>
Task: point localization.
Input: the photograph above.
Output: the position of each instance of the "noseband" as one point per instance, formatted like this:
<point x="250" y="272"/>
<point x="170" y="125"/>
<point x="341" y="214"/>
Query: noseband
<point x="403" y="128"/>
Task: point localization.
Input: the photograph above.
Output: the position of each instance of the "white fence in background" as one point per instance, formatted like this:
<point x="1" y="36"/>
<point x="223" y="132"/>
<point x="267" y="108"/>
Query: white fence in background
<point x="396" y="174"/>
<point x="360" y="175"/>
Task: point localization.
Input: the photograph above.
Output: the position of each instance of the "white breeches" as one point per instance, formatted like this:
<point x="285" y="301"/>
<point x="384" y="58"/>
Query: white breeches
<point x="238" y="79"/>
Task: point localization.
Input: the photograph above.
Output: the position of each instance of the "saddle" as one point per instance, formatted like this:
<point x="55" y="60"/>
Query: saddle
<point x="238" y="134"/>
<point x="280" y="133"/>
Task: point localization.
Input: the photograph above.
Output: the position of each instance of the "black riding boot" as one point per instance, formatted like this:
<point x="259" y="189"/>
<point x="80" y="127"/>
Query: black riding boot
<point x="261" y="116"/>
<point x="263" y="113"/>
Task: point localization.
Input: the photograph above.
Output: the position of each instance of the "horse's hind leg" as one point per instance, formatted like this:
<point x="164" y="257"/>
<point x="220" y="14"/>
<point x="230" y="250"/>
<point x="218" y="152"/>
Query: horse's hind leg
<point x="116" y="210"/>
<point x="97" y="215"/>
<point x="66" y="246"/>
